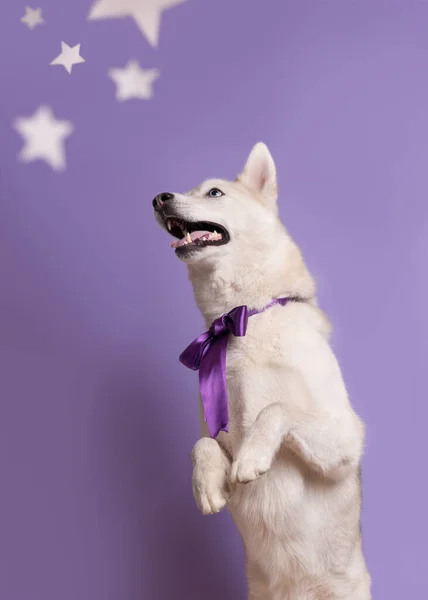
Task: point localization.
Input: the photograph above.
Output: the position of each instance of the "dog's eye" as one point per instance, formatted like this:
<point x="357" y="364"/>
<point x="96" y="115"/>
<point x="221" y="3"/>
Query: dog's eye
<point x="215" y="193"/>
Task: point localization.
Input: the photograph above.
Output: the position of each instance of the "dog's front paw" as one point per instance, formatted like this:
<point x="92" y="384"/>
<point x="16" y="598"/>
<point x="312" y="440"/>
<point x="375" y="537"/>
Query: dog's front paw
<point x="210" y="490"/>
<point x="249" y="464"/>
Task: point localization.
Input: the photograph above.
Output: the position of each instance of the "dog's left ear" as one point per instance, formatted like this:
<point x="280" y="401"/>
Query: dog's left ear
<point x="259" y="174"/>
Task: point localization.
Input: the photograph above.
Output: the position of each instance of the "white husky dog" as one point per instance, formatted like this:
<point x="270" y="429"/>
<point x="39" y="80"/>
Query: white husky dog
<point x="289" y="467"/>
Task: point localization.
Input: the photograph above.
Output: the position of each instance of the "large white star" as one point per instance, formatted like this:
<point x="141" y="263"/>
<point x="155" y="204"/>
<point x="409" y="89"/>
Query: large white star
<point x="146" y="13"/>
<point x="44" y="137"/>
<point x="68" y="57"/>
<point x="133" y="82"/>
<point x="32" y="17"/>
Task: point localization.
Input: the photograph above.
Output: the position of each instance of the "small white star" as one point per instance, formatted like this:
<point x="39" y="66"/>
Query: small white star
<point x="44" y="137"/>
<point x="133" y="82"/>
<point x="146" y="13"/>
<point x="68" y="57"/>
<point x="32" y="17"/>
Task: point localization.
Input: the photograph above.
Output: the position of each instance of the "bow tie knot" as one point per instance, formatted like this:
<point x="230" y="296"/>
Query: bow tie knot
<point x="234" y="322"/>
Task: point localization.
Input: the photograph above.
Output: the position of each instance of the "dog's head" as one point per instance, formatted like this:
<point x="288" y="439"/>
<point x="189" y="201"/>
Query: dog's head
<point x="224" y="219"/>
<point x="230" y="235"/>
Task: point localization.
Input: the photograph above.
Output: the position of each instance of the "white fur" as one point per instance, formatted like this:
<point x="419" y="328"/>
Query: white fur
<point x="289" y="468"/>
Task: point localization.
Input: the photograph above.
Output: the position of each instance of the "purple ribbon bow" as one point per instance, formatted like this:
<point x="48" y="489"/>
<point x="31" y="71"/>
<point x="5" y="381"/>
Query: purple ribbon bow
<point x="208" y="355"/>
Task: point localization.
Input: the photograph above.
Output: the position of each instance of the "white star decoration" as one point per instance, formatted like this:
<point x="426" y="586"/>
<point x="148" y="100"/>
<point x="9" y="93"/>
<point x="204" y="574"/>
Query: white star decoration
<point x="146" y="13"/>
<point x="68" y="57"/>
<point x="133" y="82"/>
<point x="32" y="17"/>
<point x="44" y="137"/>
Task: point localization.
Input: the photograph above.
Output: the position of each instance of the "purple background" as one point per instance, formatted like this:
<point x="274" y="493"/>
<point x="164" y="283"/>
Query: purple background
<point x="97" y="417"/>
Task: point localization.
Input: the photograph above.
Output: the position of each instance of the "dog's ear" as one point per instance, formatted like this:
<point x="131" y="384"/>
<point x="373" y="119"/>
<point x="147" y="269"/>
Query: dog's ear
<point x="259" y="174"/>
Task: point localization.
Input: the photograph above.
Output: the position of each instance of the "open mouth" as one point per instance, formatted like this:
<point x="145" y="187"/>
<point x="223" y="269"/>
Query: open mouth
<point x="195" y="235"/>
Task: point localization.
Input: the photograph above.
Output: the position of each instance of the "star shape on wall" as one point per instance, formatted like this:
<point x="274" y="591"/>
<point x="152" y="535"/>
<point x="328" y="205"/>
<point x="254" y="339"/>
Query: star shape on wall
<point x="133" y="82"/>
<point x="146" y="13"/>
<point x="68" y="57"/>
<point x="44" y="137"/>
<point x="32" y="17"/>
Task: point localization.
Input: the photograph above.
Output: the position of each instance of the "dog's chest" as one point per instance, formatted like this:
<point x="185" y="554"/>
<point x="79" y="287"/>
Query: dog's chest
<point x="259" y="372"/>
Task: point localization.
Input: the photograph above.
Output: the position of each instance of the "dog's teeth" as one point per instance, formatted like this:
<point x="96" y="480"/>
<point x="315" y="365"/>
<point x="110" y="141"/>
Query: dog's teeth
<point x="168" y="224"/>
<point x="189" y="238"/>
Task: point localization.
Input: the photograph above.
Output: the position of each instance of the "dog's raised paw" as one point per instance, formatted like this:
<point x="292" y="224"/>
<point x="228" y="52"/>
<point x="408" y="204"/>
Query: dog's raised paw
<point x="211" y="493"/>
<point x="249" y="467"/>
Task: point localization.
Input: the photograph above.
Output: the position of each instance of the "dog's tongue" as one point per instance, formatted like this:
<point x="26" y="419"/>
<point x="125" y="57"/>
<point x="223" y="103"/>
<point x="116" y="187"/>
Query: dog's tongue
<point x="191" y="237"/>
<point x="196" y="235"/>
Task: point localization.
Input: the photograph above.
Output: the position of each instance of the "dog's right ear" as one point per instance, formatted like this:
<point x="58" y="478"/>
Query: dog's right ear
<point x="259" y="174"/>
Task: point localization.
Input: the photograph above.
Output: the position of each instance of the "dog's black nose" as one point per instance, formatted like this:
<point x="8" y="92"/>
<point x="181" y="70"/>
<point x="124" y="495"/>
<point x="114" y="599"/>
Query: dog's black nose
<point x="161" y="199"/>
